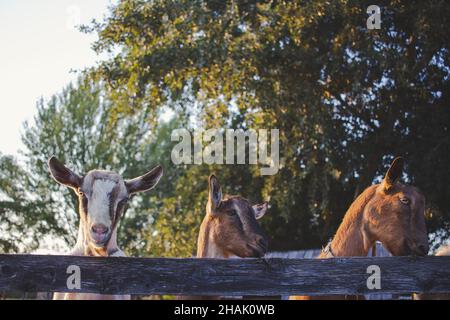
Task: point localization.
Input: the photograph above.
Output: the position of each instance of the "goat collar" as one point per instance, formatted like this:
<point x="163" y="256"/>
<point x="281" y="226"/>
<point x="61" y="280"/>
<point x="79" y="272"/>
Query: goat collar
<point x="327" y="251"/>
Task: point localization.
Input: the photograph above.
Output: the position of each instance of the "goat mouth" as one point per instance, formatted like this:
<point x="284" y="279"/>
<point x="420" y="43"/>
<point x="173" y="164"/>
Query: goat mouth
<point x="420" y="252"/>
<point x="257" y="251"/>
<point x="411" y="248"/>
<point x="100" y="241"/>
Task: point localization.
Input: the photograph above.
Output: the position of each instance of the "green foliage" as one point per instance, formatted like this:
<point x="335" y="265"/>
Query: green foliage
<point x="346" y="99"/>
<point x="77" y="127"/>
<point x="23" y="218"/>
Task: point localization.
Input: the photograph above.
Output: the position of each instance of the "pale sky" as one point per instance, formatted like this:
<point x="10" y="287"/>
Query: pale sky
<point x="39" y="46"/>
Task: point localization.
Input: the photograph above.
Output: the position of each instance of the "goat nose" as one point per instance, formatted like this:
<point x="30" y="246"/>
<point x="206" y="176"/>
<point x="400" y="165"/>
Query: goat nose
<point x="100" y="229"/>
<point x="261" y="241"/>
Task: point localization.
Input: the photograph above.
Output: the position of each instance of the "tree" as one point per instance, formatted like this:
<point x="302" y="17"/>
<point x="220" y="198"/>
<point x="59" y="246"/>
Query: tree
<point x="78" y="127"/>
<point x="346" y="99"/>
<point x="23" y="220"/>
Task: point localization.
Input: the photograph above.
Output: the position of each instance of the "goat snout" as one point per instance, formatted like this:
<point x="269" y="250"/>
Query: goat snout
<point x="258" y="247"/>
<point x="100" y="229"/>
<point x="262" y="242"/>
<point x="99" y="234"/>
<point x="421" y="249"/>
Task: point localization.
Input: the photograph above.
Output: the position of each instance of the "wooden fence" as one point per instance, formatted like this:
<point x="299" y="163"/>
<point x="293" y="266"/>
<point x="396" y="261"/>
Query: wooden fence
<point x="240" y="277"/>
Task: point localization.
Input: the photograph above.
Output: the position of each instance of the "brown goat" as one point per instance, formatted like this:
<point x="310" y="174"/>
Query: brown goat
<point x="389" y="212"/>
<point x="229" y="229"/>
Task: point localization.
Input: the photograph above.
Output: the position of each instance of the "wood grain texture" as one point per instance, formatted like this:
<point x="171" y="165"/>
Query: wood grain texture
<point x="261" y="277"/>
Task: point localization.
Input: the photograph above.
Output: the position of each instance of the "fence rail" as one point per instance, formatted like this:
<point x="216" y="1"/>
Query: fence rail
<point x="261" y="277"/>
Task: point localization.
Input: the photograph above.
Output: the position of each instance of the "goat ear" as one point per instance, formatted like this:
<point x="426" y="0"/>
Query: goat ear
<point x="394" y="173"/>
<point x="260" y="210"/>
<point x="215" y="194"/>
<point x="62" y="174"/>
<point x="146" y="182"/>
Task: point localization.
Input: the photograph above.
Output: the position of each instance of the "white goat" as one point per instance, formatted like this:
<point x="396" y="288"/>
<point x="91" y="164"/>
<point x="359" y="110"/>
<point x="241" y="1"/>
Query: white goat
<point x="103" y="198"/>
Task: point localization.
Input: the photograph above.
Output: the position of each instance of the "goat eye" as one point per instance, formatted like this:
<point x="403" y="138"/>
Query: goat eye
<point x="80" y="193"/>
<point x="404" y="200"/>
<point x="232" y="213"/>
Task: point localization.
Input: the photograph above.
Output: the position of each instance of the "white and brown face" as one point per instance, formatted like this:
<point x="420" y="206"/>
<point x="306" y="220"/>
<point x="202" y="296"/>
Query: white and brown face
<point x="233" y="224"/>
<point x="103" y="197"/>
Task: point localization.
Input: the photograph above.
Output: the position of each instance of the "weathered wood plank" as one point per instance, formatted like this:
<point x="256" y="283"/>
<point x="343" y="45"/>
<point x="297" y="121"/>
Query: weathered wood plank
<point x="262" y="277"/>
